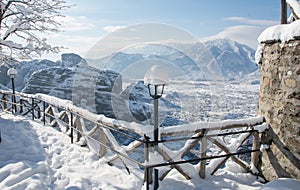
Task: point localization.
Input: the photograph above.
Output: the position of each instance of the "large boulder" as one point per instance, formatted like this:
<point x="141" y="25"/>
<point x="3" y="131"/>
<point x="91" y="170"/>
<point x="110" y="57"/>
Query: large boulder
<point x="54" y="81"/>
<point x="95" y="90"/>
<point x="122" y="109"/>
<point x="4" y="79"/>
<point x="130" y="105"/>
<point x="71" y="60"/>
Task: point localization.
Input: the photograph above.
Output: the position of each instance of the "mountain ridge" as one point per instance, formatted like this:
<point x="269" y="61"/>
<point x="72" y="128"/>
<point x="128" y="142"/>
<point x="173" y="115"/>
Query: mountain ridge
<point x="230" y="59"/>
<point x="235" y="61"/>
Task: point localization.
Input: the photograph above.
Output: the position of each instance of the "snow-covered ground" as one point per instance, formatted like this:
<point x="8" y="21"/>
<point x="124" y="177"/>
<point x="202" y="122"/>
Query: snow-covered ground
<point x="33" y="156"/>
<point x="210" y="101"/>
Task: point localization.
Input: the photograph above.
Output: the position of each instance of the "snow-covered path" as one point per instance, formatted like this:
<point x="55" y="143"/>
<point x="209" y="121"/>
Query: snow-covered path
<point x="33" y="156"/>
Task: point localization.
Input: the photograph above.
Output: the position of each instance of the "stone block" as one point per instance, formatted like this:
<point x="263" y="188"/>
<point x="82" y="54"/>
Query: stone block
<point x="291" y="83"/>
<point x="266" y="81"/>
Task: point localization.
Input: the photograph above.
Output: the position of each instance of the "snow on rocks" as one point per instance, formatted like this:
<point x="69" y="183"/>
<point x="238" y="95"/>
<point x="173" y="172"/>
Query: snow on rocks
<point x="283" y="33"/>
<point x="258" y="54"/>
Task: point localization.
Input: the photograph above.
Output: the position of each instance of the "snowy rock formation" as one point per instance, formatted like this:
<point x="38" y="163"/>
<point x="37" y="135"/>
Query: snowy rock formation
<point x="54" y="81"/>
<point x="93" y="89"/>
<point x="26" y="69"/>
<point x="71" y="60"/>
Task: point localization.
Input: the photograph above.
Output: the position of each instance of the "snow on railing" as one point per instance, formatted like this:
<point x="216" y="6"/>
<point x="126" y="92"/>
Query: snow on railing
<point x="139" y="128"/>
<point x="217" y="125"/>
<point x="98" y="133"/>
<point x="69" y="106"/>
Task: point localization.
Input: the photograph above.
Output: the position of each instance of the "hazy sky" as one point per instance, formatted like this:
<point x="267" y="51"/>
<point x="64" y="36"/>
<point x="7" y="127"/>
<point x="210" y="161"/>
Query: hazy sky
<point x="88" y="21"/>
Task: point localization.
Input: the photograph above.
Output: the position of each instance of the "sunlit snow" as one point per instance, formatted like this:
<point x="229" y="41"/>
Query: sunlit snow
<point x="33" y="156"/>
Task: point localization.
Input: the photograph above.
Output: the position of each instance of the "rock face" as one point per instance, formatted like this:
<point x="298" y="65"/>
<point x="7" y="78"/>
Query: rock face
<point x="25" y="70"/>
<point x="93" y="89"/>
<point x="140" y="104"/>
<point x="55" y="81"/>
<point x="279" y="102"/>
<point x="4" y="79"/>
<point x="71" y="60"/>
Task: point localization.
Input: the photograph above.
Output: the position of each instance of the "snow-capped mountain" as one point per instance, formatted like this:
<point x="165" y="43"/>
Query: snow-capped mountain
<point x="223" y="57"/>
<point x="234" y="59"/>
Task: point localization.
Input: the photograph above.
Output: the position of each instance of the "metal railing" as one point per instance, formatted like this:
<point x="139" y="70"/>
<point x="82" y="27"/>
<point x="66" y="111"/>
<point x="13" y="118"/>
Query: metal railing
<point x="133" y="143"/>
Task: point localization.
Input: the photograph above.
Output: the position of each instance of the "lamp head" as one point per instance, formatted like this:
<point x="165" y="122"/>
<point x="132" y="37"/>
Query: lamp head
<point x="12" y="72"/>
<point x="156" y="78"/>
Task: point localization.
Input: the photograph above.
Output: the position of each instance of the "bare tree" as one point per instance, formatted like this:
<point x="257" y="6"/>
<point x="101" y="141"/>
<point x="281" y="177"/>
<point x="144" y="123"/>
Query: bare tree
<point x="24" y="25"/>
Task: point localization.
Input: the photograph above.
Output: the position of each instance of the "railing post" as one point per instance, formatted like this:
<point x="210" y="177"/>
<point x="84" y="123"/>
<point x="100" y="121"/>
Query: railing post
<point x="102" y="149"/>
<point x="147" y="171"/>
<point x="203" y="147"/>
<point x="32" y="107"/>
<point x="255" y="146"/>
<point x="51" y="114"/>
<point x="44" y="111"/>
<point x="39" y="111"/>
<point x="21" y="105"/>
<point x="4" y="101"/>
<point x="15" y="103"/>
<point x="71" y="135"/>
<point x="67" y="122"/>
<point x="156" y="184"/>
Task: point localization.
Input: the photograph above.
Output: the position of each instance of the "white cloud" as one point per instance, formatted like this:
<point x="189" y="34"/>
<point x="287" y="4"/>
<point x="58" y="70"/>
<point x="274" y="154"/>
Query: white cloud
<point x="113" y="28"/>
<point x="244" y="34"/>
<point x="71" y="44"/>
<point x="254" y="22"/>
<point x="70" y="23"/>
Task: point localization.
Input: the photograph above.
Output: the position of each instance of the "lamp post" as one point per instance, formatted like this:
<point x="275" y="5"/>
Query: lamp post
<point x="156" y="78"/>
<point x="11" y="73"/>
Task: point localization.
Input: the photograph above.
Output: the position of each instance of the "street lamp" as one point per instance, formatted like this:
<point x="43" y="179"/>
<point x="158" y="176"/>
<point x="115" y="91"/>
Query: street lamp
<point x="156" y="78"/>
<point x="11" y="73"/>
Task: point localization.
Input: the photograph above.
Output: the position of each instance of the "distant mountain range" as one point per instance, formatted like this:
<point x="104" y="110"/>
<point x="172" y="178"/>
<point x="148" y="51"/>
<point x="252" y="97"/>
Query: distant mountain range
<point x="232" y="60"/>
<point x="97" y="84"/>
<point x="220" y="59"/>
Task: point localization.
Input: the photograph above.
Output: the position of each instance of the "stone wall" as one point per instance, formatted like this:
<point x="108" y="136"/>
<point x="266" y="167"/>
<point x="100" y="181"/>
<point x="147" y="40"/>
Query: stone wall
<point x="279" y="102"/>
